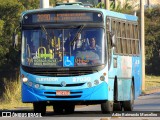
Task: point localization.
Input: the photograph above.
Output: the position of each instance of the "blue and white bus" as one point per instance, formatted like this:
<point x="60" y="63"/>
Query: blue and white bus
<point x="75" y="55"/>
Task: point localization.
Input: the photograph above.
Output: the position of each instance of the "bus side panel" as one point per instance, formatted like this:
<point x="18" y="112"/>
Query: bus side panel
<point x="124" y="77"/>
<point x="136" y="72"/>
<point x="110" y="89"/>
<point x="121" y="68"/>
<point x="112" y="73"/>
<point x="124" y="88"/>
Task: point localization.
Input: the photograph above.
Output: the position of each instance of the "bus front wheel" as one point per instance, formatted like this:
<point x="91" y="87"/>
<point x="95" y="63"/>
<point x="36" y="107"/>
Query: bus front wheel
<point x="69" y="109"/>
<point x="39" y="108"/>
<point x="117" y="106"/>
<point x="107" y="107"/>
<point x="58" y="109"/>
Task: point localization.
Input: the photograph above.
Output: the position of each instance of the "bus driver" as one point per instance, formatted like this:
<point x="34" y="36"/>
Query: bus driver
<point x="93" y="45"/>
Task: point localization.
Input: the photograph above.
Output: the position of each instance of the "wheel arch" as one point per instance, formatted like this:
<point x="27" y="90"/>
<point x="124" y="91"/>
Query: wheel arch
<point x="133" y="82"/>
<point x="115" y="93"/>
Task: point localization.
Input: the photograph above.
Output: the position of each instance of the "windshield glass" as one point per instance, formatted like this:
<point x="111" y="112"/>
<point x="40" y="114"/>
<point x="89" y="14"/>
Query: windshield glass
<point x="74" y="47"/>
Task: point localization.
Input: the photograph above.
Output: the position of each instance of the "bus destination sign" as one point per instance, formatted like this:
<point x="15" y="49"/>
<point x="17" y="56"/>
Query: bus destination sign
<point x="62" y="17"/>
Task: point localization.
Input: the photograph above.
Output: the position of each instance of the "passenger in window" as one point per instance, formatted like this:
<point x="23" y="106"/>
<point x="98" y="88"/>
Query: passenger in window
<point x="78" y="43"/>
<point x="93" y="45"/>
<point x="94" y="52"/>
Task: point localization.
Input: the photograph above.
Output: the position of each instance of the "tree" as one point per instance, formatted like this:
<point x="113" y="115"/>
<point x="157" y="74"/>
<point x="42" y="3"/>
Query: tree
<point x="93" y="2"/>
<point x="127" y="7"/>
<point x="30" y="4"/>
<point x="10" y="12"/>
<point x="152" y="40"/>
<point x="53" y="2"/>
<point x="1" y="26"/>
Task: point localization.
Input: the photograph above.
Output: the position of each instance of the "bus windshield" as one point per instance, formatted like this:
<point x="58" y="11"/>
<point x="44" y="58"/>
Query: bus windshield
<point x="76" y="47"/>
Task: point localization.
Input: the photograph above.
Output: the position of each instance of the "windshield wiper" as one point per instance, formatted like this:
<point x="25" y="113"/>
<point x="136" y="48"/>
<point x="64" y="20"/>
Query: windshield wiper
<point x="76" y="36"/>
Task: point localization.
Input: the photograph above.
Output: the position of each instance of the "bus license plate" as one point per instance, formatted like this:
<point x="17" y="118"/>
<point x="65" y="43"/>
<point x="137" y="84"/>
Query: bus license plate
<point x="62" y="93"/>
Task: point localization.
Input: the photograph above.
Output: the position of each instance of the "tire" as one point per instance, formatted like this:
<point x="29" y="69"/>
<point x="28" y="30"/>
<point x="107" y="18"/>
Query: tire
<point x="69" y="109"/>
<point x="58" y="109"/>
<point x="107" y="107"/>
<point x="128" y="105"/>
<point x="117" y="106"/>
<point x="39" y="107"/>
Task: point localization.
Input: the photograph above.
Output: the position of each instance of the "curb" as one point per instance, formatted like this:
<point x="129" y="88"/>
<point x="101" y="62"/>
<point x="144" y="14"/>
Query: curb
<point x="147" y="92"/>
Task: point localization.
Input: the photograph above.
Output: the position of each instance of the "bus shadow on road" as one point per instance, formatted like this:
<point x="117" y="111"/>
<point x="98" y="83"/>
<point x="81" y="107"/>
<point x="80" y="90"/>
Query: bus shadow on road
<point x="79" y="114"/>
<point x="52" y="114"/>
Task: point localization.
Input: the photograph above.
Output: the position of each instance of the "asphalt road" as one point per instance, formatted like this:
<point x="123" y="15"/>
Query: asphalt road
<point x="147" y="107"/>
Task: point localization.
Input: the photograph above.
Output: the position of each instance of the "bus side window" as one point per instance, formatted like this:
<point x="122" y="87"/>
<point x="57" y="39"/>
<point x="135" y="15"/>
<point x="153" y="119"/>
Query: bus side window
<point x="137" y="39"/>
<point x="124" y="41"/>
<point x="109" y="46"/>
<point x="113" y="30"/>
<point x="132" y="41"/>
<point x="119" y="38"/>
<point x="129" y="38"/>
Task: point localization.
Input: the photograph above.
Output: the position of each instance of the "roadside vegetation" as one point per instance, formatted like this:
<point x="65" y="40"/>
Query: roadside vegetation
<point x="152" y="84"/>
<point x="11" y="97"/>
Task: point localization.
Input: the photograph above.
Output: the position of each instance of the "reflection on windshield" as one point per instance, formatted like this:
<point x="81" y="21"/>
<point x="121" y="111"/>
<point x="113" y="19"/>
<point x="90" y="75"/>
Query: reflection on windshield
<point x="51" y="47"/>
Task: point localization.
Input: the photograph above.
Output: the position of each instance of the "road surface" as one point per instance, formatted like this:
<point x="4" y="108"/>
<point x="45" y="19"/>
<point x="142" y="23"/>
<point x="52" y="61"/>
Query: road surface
<point x="147" y="106"/>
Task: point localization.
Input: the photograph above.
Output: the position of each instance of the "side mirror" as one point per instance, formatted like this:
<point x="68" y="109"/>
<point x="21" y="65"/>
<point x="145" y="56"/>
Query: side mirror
<point x="15" y="40"/>
<point x="113" y="39"/>
<point x="15" y="37"/>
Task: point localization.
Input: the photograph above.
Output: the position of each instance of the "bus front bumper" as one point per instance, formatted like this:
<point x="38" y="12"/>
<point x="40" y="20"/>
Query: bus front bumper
<point x="96" y="93"/>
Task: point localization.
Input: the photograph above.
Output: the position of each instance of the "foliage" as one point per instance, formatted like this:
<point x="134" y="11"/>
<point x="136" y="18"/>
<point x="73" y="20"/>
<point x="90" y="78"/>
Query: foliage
<point x="9" y="19"/>
<point x="9" y="88"/>
<point x="53" y="2"/>
<point x="125" y="8"/>
<point x="93" y="2"/>
<point x="11" y="95"/>
<point x="1" y="26"/>
<point x="34" y="4"/>
<point x="30" y="4"/>
<point x="152" y="40"/>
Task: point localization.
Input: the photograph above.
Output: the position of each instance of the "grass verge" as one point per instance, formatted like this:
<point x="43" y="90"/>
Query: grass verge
<point x="152" y="84"/>
<point x="11" y="97"/>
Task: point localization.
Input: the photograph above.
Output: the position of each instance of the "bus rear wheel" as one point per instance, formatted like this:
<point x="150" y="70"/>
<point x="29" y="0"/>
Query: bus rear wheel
<point x="39" y="107"/>
<point x="128" y="105"/>
<point x="107" y="107"/>
<point x="117" y="106"/>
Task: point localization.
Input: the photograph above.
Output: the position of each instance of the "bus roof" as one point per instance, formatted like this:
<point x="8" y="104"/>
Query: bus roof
<point x="80" y="7"/>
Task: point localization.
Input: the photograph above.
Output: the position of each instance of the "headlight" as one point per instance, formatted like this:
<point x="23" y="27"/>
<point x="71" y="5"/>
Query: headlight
<point x="102" y="78"/>
<point x="36" y="85"/>
<point x="25" y="79"/>
<point x="89" y="84"/>
<point x="96" y="82"/>
<point x="30" y="83"/>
